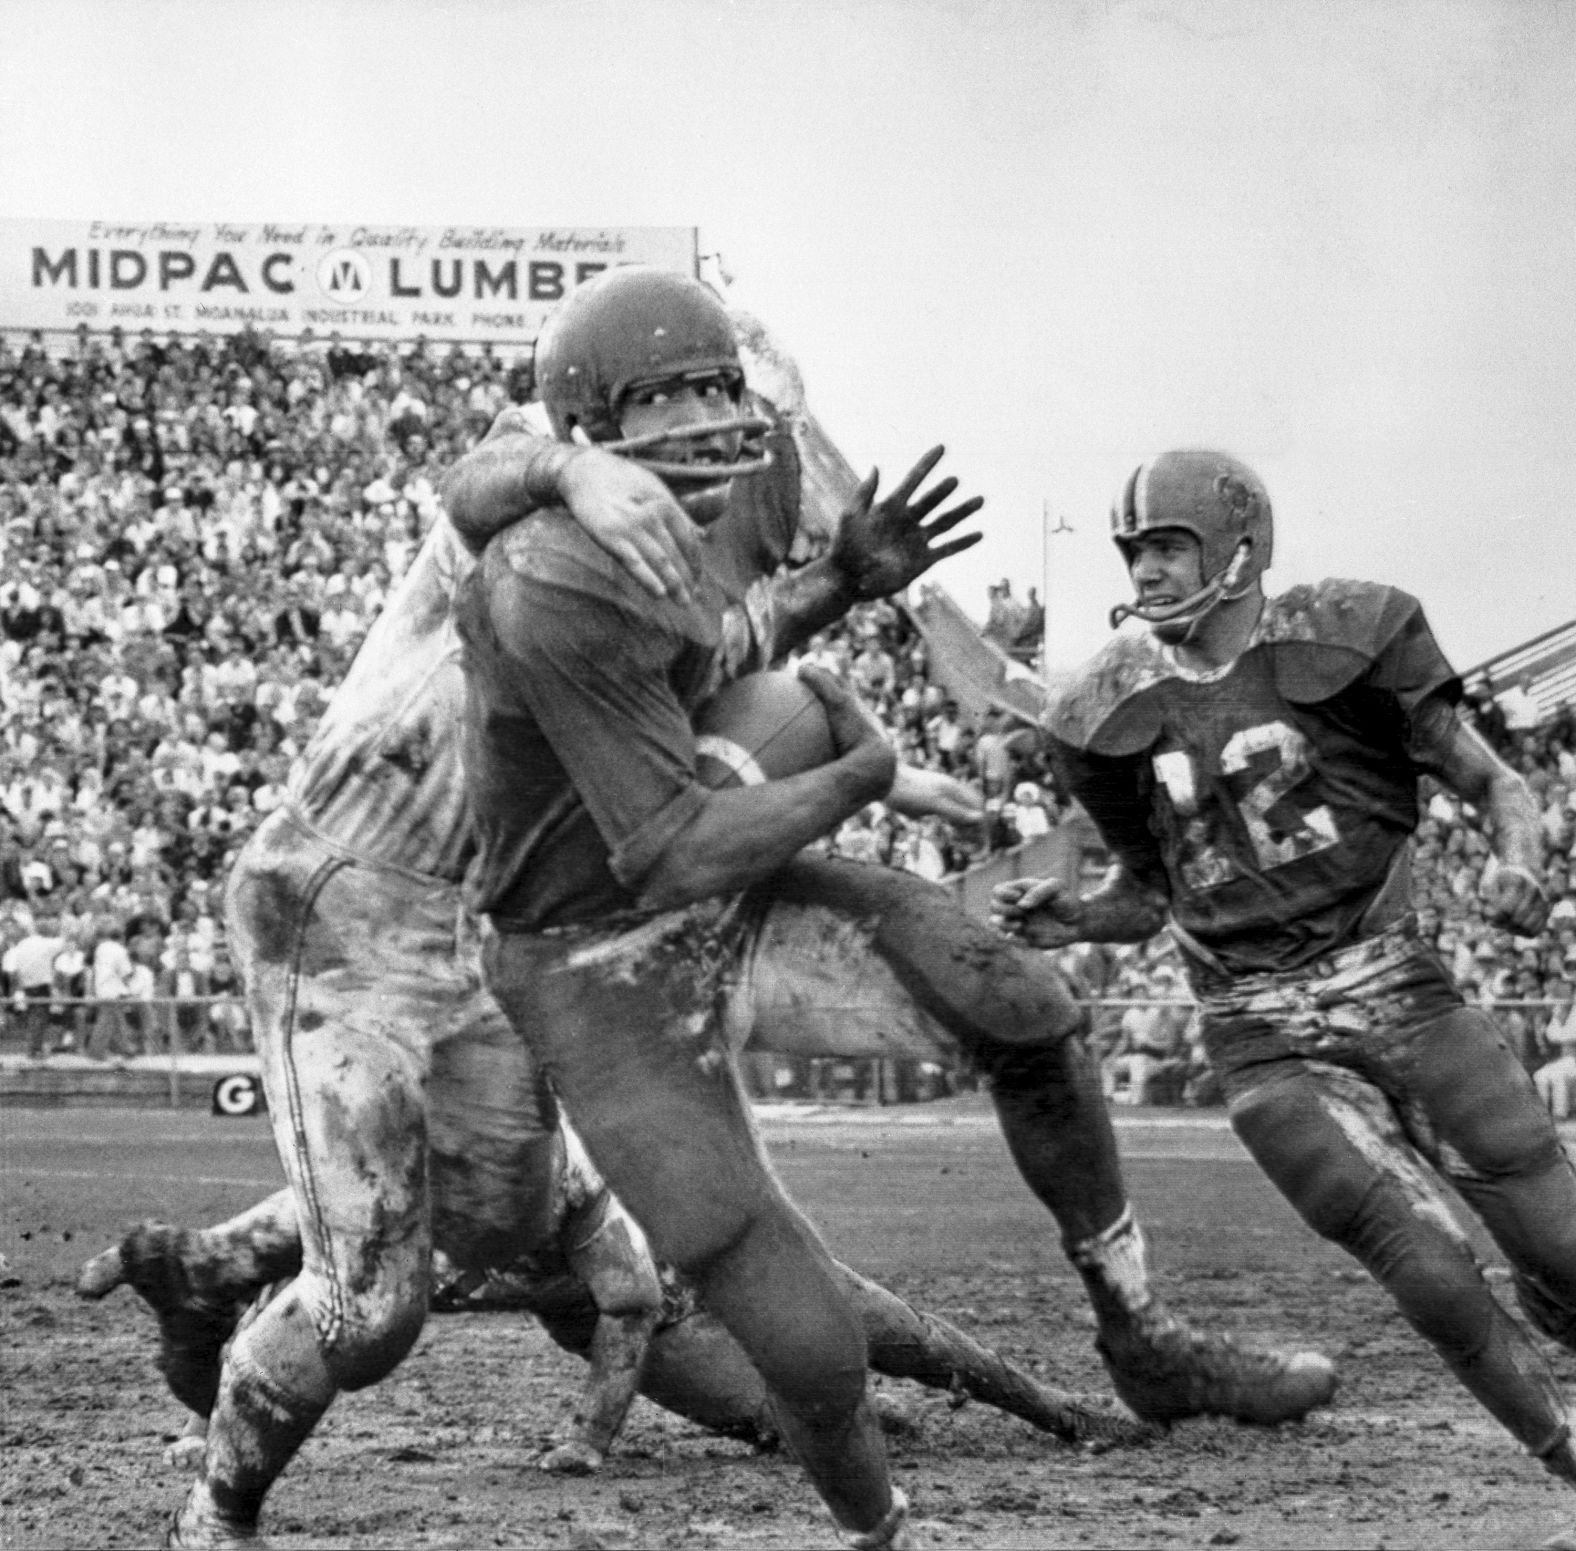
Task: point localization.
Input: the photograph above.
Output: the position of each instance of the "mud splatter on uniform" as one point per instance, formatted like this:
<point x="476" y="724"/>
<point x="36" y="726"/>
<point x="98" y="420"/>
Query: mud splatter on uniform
<point x="362" y="969"/>
<point x="1273" y="800"/>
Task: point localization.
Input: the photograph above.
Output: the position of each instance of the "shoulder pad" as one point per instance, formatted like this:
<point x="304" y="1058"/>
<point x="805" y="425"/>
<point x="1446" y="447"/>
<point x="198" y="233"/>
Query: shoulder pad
<point x="1324" y="636"/>
<point x="1105" y="708"/>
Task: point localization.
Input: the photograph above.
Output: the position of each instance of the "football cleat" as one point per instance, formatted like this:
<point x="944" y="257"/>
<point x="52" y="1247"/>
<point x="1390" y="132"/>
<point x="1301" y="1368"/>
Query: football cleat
<point x="1165" y="1370"/>
<point x="193" y="1326"/>
<point x="1558" y="1455"/>
<point x="893" y="1533"/>
<point x="196" y="1528"/>
<point x="573" y="1458"/>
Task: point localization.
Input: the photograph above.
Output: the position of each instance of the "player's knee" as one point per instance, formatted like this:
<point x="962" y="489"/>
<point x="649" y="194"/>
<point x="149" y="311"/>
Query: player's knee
<point x="1437" y="1286"/>
<point x="367" y="1329"/>
<point x="368" y="1348"/>
<point x="616" y="1263"/>
<point x="827" y="1390"/>
<point x="1058" y="1064"/>
<point x="780" y="1297"/>
<point x="1481" y="1101"/>
<point x="697" y="1234"/>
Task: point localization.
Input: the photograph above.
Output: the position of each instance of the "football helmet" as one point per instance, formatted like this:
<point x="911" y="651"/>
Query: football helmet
<point x="630" y="327"/>
<point x="1216" y="498"/>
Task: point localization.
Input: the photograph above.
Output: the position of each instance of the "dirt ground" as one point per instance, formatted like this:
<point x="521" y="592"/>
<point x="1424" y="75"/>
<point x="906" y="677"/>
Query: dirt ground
<point x="441" y="1454"/>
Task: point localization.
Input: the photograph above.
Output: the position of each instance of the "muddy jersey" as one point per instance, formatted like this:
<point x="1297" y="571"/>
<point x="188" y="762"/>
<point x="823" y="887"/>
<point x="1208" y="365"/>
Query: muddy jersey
<point x="1272" y="798"/>
<point x="578" y="745"/>
<point x="381" y="775"/>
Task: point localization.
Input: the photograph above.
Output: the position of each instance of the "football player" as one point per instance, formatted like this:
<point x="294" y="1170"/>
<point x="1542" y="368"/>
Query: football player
<point x="1253" y="763"/>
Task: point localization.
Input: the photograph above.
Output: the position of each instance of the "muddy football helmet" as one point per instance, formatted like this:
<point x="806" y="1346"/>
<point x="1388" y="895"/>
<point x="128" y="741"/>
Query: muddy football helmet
<point x="630" y="327"/>
<point x="1216" y="498"/>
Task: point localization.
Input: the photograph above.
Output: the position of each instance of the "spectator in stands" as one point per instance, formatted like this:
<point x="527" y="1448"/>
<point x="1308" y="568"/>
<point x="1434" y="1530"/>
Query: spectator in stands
<point x="110" y="985"/>
<point x="29" y="968"/>
<point x="993" y="755"/>
<point x="1151" y="1053"/>
<point x="1518" y="706"/>
<point x="1030" y="817"/>
<point x="1556" y="1079"/>
<point x="210" y="544"/>
<point x="1028" y="638"/>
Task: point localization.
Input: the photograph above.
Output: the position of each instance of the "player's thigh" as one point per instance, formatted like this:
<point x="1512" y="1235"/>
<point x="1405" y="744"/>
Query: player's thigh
<point x="861" y="960"/>
<point x="628" y="1029"/>
<point x="1335" y="1148"/>
<point x="1479" y="1100"/>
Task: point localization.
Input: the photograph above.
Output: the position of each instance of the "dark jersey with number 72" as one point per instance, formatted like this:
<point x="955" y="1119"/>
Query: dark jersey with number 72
<point x="1271" y="798"/>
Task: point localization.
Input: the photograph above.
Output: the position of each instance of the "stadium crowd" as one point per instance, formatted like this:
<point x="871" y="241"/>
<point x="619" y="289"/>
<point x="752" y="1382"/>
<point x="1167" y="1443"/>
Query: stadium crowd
<point x="196" y="533"/>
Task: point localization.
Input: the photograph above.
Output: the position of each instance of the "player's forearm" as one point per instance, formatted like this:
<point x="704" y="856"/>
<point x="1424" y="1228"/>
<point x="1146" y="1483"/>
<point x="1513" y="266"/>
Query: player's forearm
<point x="507" y="477"/>
<point x="744" y="834"/>
<point x="808" y="600"/>
<point x="1512" y="813"/>
<point x="1122" y="909"/>
<point x="1463" y="761"/>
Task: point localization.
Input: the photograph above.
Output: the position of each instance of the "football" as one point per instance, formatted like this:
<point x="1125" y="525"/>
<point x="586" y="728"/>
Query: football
<point x="761" y="727"/>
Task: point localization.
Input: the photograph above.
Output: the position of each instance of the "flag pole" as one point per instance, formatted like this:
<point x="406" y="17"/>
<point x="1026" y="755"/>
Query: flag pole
<point x="1045" y="588"/>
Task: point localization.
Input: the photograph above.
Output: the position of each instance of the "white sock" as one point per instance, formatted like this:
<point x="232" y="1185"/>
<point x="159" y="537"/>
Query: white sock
<point x="1118" y="1258"/>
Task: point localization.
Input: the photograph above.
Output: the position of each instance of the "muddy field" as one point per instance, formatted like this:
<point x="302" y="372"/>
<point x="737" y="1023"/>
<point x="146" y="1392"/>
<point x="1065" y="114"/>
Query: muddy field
<point x="442" y="1454"/>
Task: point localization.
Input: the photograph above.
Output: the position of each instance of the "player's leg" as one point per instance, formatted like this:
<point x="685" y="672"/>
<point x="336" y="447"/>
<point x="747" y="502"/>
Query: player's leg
<point x="860" y="960"/>
<point x="608" y="1257"/>
<point x="626" y="1025"/>
<point x="339" y="1004"/>
<point x="495" y="1154"/>
<point x="492" y="1158"/>
<point x="1497" y="1143"/>
<point x="692" y="1368"/>
<point x="1335" y="1147"/>
<point x="908" y="1344"/>
<point x="198" y="1282"/>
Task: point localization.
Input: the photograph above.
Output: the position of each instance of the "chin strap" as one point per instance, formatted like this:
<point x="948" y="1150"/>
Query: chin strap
<point x="1220" y="588"/>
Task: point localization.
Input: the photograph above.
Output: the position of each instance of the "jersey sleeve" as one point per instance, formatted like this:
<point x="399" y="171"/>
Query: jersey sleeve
<point x="1410" y="664"/>
<point x="1115" y="791"/>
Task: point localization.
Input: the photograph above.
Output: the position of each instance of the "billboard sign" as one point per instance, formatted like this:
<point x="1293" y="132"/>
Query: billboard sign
<point x="472" y="283"/>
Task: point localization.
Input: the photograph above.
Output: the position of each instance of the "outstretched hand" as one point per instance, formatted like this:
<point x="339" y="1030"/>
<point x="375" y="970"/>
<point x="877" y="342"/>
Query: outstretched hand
<point x="882" y="546"/>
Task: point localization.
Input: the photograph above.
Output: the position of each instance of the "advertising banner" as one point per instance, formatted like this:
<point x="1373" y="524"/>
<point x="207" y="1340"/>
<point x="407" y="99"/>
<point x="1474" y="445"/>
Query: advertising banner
<point x="470" y="283"/>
